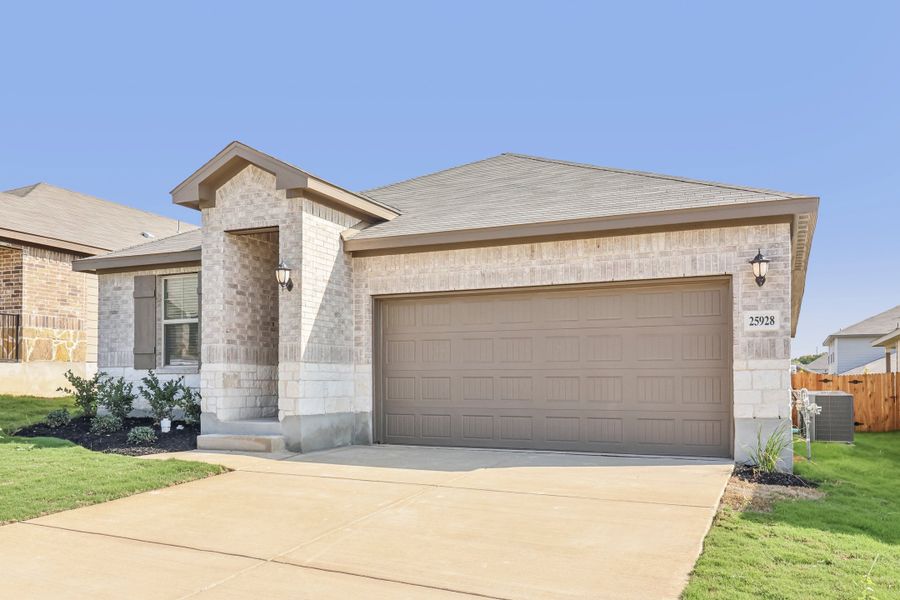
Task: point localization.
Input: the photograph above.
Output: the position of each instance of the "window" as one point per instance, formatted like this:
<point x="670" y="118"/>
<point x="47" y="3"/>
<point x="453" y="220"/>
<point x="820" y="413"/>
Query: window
<point x="181" y="320"/>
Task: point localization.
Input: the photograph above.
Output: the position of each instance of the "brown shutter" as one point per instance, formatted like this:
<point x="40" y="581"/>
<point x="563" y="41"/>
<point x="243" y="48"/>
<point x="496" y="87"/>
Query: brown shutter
<point x="145" y="322"/>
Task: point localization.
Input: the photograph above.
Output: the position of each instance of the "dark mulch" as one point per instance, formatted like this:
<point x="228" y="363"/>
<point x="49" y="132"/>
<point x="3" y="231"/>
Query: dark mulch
<point x="752" y="475"/>
<point x="78" y="431"/>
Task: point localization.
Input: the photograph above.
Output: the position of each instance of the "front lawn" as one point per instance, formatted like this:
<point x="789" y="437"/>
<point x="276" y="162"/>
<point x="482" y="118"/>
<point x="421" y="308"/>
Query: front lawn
<point x="814" y="549"/>
<point x="44" y="475"/>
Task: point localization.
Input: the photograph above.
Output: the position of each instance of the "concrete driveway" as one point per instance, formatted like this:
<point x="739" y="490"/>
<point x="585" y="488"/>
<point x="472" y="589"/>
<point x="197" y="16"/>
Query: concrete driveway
<point x="383" y="522"/>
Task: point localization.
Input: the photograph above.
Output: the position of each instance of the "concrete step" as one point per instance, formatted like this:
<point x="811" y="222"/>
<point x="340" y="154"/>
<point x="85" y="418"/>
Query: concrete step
<point x="241" y="443"/>
<point x="270" y="426"/>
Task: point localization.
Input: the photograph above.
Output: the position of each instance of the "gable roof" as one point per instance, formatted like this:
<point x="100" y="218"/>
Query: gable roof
<point x="519" y="190"/>
<point x="175" y="249"/>
<point x="47" y="215"/>
<point x="876" y="326"/>
<point x="199" y="190"/>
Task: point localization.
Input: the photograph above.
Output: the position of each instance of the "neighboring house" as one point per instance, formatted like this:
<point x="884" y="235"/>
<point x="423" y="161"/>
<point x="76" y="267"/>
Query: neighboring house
<point x="48" y="312"/>
<point x="890" y="343"/>
<point x="820" y="365"/>
<point x="860" y="346"/>
<point x="513" y="302"/>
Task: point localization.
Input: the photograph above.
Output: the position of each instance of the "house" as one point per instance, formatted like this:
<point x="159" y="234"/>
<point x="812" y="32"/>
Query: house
<point x="48" y="312"/>
<point x="513" y="302"/>
<point x="819" y="365"/>
<point x="867" y="346"/>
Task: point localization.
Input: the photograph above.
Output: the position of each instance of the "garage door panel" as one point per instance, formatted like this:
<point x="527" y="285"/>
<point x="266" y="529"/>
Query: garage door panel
<point x="643" y="370"/>
<point x="615" y="431"/>
<point x="672" y="390"/>
<point x="703" y="346"/>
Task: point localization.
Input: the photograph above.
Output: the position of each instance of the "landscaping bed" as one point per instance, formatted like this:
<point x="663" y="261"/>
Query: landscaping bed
<point x="752" y="475"/>
<point x="79" y="432"/>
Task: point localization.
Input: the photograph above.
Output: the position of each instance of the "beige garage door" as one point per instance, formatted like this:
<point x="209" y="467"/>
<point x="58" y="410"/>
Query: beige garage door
<point x="640" y="369"/>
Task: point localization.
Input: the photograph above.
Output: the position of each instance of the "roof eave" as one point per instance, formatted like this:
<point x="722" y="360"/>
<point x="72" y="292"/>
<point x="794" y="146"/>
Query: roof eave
<point x="199" y="190"/>
<point x="40" y="240"/>
<point x="732" y="212"/>
<point x="137" y="261"/>
<point x="888" y="340"/>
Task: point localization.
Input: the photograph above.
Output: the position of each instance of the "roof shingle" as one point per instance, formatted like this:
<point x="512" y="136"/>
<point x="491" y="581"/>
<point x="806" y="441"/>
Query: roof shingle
<point x="51" y="212"/>
<point x="515" y="189"/>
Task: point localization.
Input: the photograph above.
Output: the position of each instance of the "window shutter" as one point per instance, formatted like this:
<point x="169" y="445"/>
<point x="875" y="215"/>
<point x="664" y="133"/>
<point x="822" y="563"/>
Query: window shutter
<point x="145" y="322"/>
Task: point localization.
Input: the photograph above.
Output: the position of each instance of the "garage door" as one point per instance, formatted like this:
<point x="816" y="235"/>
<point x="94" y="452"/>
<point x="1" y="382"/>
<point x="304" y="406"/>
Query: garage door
<point x="642" y="369"/>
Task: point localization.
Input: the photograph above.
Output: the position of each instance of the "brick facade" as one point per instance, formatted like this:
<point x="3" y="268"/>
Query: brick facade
<point x="240" y="376"/>
<point x="10" y="279"/>
<point x="116" y="333"/>
<point x="761" y="359"/>
<point x="58" y="308"/>
<point x="320" y="386"/>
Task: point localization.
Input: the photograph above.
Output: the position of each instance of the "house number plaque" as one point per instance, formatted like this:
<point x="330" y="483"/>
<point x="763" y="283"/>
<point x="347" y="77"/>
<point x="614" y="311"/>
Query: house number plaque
<point x="762" y="320"/>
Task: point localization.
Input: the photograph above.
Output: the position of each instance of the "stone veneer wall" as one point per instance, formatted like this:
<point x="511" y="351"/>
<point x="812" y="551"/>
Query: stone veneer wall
<point x="116" y="335"/>
<point x="761" y="359"/>
<point x="58" y="309"/>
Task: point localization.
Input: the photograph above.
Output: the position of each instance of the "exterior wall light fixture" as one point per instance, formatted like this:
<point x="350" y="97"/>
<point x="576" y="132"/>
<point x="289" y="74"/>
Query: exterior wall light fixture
<point x="283" y="275"/>
<point x="760" y="266"/>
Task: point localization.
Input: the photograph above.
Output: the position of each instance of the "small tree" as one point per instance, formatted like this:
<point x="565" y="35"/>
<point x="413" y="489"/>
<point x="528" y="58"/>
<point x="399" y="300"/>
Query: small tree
<point x="117" y="396"/>
<point x="84" y="390"/>
<point x="163" y="398"/>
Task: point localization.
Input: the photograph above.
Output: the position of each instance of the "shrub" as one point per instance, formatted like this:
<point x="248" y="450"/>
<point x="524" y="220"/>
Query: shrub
<point x="141" y="436"/>
<point x="766" y="457"/>
<point x="59" y="418"/>
<point x="105" y="424"/>
<point x="190" y="403"/>
<point x="116" y="396"/>
<point x="163" y="398"/>
<point x="84" y="390"/>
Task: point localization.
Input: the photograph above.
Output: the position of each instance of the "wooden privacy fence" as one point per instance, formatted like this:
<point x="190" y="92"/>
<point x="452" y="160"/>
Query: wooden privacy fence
<point x="875" y="396"/>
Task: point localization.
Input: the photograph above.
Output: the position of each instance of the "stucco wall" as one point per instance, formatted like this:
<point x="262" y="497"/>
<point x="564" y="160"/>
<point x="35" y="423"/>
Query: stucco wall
<point x="761" y="359"/>
<point x="116" y="331"/>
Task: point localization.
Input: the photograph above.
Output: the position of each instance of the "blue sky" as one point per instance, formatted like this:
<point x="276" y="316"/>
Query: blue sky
<point x="124" y="101"/>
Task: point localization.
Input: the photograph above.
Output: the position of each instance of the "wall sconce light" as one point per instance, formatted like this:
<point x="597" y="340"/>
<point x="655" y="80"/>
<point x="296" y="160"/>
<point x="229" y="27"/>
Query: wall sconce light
<point x="760" y="268"/>
<point x="283" y="275"/>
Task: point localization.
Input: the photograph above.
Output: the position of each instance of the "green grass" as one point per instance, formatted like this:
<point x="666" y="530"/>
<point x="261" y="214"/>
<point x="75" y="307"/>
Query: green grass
<point x="814" y="549"/>
<point x="44" y="475"/>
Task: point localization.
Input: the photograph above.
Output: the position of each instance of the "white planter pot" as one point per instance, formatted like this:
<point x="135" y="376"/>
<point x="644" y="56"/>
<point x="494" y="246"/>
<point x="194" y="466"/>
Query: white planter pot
<point x="165" y="425"/>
